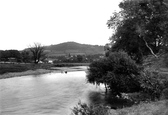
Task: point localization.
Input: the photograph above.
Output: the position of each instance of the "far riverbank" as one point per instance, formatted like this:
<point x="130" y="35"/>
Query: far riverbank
<point x="25" y="73"/>
<point x="43" y="71"/>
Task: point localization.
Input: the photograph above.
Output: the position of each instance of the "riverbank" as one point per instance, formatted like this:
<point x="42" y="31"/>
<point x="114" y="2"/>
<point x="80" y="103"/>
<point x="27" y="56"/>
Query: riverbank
<point x="21" y="67"/>
<point x="8" y="70"/>
<point x="143" y="108"/>
<point x="25" y="73"/>
<point x="43" y="71"/>
<point x="153" y="108"/>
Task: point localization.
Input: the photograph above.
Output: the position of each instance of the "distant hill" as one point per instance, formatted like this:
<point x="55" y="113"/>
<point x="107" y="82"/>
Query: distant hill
<point x="73" y="48"/>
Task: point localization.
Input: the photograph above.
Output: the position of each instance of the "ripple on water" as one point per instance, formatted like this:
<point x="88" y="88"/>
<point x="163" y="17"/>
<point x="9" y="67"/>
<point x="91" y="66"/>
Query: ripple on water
<point x="50" y="94"/>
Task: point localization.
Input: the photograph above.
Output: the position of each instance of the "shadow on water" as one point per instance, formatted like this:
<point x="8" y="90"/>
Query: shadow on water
<point x="51" y="93"/>
<point x="96" y="98"/>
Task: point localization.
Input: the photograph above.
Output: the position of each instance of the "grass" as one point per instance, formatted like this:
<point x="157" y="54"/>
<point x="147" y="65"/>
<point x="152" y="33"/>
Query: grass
<point x="11" y="70"/>
<point x="25" y="73"/>
<point x="153" y="108"/>
<point x="20" y="67"/>
<point x="6" y="68"/>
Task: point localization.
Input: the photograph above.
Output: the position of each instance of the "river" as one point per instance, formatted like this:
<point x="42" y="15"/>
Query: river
<point x="47" y="94"/>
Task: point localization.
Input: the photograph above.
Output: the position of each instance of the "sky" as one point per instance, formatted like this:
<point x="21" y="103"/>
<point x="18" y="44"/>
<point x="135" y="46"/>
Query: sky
<point x="49" y="22"/>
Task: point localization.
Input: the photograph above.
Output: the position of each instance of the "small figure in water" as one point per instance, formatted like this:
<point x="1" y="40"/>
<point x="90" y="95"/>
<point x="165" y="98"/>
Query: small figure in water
<point x="66" y="72"/>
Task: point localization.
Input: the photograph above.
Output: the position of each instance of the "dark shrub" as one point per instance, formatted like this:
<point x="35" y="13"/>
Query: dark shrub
<point x="165" y="93"/>
<point x="151" y="84"/>
<point x="118" y="71"/>
<point x="84" y="109"/>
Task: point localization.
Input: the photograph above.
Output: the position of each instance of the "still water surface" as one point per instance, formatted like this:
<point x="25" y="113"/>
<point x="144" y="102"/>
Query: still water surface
<point x="47" y="94"/>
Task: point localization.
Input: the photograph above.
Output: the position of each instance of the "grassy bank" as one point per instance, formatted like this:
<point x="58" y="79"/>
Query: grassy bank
<point x="9" y="70"/>
<point x="153" y="108"/>
<point x="20" y="67"/>
<point x="24" y="73"/>
<point x="12" y="70"/>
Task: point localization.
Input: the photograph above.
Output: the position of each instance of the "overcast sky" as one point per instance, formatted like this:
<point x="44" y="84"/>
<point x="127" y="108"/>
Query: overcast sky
<point x="23" y="22"/>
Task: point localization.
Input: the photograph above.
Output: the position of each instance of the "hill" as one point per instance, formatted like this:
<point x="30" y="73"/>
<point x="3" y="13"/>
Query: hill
<point x="73" y="48"/>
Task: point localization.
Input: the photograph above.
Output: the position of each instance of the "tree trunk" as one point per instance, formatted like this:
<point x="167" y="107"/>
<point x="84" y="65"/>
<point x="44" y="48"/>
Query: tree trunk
<point x="105" y="88"/>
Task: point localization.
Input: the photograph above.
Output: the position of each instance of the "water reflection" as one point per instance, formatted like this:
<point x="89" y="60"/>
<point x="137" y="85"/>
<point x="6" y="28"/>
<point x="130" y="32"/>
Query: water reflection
<point x="50" y="94"/>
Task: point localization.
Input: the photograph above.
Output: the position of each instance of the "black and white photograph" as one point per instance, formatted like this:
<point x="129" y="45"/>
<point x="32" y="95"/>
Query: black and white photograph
<point x="83" y="57"/>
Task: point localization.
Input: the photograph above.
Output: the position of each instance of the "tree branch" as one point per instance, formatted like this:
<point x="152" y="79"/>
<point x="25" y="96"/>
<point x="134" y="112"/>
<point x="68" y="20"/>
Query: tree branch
<point x="149" y="48"/>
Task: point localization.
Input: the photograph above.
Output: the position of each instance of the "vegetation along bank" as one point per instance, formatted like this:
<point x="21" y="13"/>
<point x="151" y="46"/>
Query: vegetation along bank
<point x="132" y="69"/>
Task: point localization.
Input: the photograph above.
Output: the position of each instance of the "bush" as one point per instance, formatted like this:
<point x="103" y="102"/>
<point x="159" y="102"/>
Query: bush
<point x="165" y="93"/>
<point x="84" y="109"/>
<point x="151" y="84"/>
<point x="118" y="71"/>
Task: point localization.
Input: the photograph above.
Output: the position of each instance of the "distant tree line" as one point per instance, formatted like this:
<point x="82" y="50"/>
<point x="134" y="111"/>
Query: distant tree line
<point x="17" y="56"/>
<point x="77" y="58"/>
<point x="5" y="55"/>
<point x="34" y="54"/>
<point x="27" y="56"/>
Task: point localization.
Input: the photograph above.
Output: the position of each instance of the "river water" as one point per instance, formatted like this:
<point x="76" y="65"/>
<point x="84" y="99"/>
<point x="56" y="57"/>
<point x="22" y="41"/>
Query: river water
<point x="47" y="94"/>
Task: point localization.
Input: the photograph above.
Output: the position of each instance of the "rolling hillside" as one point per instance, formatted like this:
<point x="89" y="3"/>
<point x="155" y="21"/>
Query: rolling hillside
<point x="73" y="48"/>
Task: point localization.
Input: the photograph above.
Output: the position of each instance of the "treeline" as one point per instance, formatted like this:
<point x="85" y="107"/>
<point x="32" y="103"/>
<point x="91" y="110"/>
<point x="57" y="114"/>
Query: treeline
<point x="77" y="58"/>
<point x="26" y="56"/>
<point x="15" y="56"/>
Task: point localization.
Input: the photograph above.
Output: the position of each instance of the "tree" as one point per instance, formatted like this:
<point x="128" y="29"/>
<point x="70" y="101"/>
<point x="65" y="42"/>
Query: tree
<point x="118" y="72"/>
<point x="26" y="57"/>
<point x="97" y="71"/>
<point x="84" y="109"/>
<point x="5" y="55"/>
<point x="140" y="28"/>
<point x="37" y="52"/>
<point x="79" y="58"/>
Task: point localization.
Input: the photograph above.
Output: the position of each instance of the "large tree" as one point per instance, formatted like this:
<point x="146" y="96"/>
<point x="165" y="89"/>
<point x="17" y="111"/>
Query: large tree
<point x="118" y="72"/>
<point x="5" y="55"/>
<point x="26" y="56"/>
<point x="140" y="28"/>
<point x="37" y="51"/>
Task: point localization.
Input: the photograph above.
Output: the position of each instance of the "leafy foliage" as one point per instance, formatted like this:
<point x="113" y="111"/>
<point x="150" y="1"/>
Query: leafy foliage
<point x="152" y="84"/>
<point x="165" y="93"/>
<point x="141" y="27"/>
<point x="26" y="56"/>
<point x="5" y="55"/>
<point x="84" y="109"/>
<point x="118" y="71"/>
